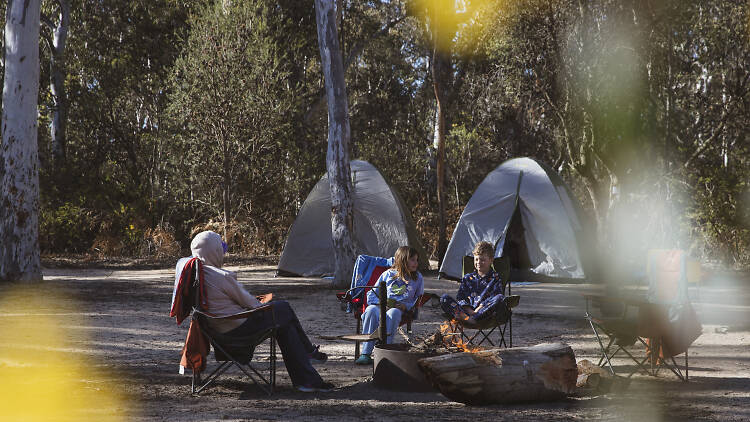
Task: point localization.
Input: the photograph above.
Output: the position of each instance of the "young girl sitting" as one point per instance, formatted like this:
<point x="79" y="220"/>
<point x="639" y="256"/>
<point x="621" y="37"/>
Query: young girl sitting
<point x="404" y="285"/>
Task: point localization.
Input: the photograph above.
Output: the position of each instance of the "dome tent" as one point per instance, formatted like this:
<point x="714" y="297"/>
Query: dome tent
<point x="526" y="210"/>
<point x="381" y="224"/>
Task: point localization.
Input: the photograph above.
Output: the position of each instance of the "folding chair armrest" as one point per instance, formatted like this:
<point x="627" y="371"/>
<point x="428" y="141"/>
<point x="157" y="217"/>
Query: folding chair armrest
<point x="346" y="296"/>
<point x="239" y="315"/>
<point x="597" y="296"/>
<point x="630" y="301"/>
<point x="616" y="306"/>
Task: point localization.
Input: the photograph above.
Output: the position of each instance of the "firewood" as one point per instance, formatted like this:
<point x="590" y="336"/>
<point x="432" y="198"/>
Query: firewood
<point x="496" y="376"/>
<point x="593" y="378"/>
<point x="589" y="381"/>
<point x="585" y="366"/>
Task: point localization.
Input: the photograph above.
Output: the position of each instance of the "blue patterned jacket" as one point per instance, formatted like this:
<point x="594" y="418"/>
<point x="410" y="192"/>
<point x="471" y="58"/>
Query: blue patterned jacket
<point x="474" y="289"/>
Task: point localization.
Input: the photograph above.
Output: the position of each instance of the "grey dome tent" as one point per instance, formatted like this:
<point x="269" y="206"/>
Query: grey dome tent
<point x="381" y="224"/>
<point x="528" y="213"/>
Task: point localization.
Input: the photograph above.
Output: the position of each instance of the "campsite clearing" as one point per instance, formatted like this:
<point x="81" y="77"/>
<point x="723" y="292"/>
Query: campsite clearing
<point x="117" y="321"/>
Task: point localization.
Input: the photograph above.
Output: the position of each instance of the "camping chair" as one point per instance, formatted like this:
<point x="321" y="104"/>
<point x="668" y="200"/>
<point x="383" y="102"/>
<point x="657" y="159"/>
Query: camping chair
<point x="485" y="328"/>
<point x="367" y="270"/>
<point x="238" y="351"/>
<point x="665" y="324"/>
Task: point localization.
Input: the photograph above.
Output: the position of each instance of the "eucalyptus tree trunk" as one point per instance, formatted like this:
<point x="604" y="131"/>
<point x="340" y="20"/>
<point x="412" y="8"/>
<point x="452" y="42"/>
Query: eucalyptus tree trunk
<point x="337" y="157"/>
<point x="19" y="173"/>
<point x="57" y="81"/>
<point x="226" y="171"/>
<point x="440" y="68"/>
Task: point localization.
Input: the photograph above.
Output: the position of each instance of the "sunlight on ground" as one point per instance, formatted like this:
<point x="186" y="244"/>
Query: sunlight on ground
<point x="40" y="380"/>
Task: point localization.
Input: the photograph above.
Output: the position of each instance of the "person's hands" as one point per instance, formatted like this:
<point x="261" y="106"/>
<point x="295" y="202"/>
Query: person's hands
<point x="468" y="310"/>
<point x="264" y="298"/>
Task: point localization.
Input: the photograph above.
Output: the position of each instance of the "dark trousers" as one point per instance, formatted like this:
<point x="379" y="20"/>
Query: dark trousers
<point x="489" y="306"/>
<point x="293" y="342"/>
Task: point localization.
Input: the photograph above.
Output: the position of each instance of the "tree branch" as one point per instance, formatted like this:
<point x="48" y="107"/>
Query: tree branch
<point x="353" y="54"/>
<point x="709" y="141"/>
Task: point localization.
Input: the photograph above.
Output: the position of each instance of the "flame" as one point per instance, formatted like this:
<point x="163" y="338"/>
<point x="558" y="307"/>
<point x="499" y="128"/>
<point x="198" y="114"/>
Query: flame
<point x="454" y="339"/>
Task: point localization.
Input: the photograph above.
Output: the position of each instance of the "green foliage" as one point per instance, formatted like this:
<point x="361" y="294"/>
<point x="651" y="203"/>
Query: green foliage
<point x="719" y="218"/>
<point x="173" y="102"/>
<point x="468" y="153"/>
<point x="67" y="228"/>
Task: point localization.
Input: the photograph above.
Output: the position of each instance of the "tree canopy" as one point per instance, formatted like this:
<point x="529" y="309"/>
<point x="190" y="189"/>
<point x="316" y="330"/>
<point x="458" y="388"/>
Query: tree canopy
<point x="184" y="115"/>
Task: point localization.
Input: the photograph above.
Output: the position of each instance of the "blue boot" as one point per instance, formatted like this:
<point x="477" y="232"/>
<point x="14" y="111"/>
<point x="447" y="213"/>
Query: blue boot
<point x="363" y="359"/>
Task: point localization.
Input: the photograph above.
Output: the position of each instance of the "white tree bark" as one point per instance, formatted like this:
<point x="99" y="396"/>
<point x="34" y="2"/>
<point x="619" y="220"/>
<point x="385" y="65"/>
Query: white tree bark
<point x="19" y="174"/>
<point x="440" y="67"/>
<point x="57" y="85"/>
<point x="337" y="158"/>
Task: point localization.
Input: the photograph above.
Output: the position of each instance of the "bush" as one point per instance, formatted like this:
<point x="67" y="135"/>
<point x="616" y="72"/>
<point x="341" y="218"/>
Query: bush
<point x="68" y="228"/>
<point x="159" y="243"/>
<point x="249" y="237"/>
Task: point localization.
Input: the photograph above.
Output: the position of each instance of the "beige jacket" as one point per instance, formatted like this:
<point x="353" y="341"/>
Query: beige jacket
<point x="224" y="294"/>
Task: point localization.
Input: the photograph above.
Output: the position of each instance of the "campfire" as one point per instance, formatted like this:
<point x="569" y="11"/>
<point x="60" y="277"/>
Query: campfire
<point x="444" y="340"/>
<point x="477" y="375"/>
<point x="396" y="365"/>
<point x="453" y="339"/>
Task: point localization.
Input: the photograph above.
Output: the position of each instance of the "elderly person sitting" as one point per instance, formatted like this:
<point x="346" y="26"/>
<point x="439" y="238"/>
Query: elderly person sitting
<point x="225" y="296"/>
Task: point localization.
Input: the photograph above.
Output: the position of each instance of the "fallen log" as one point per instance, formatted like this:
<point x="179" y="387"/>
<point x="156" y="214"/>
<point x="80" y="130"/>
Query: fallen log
<point x="497" y="376"/>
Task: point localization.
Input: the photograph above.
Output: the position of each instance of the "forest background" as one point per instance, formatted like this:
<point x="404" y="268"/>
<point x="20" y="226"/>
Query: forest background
<point x="181" y="115"/>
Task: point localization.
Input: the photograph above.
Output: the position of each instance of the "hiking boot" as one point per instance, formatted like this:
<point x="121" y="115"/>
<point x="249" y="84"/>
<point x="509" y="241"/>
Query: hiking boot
<point x="511" y="301"/>
<point x="363" y="360"/>
<point x="316" y="356"/>
<point x="323" y="387"/>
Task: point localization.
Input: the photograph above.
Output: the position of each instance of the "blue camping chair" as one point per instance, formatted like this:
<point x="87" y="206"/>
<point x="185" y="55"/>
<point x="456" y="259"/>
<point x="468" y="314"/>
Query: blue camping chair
<point x="502" y="323"/>
<point x="367" y="270"/>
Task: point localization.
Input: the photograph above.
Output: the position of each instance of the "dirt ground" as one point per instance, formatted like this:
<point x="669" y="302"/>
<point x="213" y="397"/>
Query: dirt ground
<point x="116" y="322"/>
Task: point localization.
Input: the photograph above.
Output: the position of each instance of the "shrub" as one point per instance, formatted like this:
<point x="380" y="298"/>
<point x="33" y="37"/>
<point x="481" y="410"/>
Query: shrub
<point x="68" y="228"/>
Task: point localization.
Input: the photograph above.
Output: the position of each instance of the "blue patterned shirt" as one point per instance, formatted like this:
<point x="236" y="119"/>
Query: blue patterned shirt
<point x="474" y="289"/>
<point x="397" y="289"/>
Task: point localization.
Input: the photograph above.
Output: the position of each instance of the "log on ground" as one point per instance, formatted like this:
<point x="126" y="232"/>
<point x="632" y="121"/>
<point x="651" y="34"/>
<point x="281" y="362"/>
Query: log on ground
<point x="543" y="372"/>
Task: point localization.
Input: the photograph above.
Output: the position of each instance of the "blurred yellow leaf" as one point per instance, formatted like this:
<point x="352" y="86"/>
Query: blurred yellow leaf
<point x="42" y="378"/>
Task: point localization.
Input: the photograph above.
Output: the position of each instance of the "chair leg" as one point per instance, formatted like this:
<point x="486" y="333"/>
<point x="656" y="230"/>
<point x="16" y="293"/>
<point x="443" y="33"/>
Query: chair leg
<point x="605" y="352"/>
<point x="471" y="340"/>
<point x="487" y="337"/>
<point x="272" y="364"/>
<point x="196" y="380"/>
<point x="510" y="321"/>
<point x="601" y="345"/>
<point x="213" y="376"/>
<point x="270" y="382"/>
<point x="502" y="342"/>
<point x="356" y="343"/>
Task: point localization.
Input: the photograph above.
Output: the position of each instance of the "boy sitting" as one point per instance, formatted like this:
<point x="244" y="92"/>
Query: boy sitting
<point x="480" y="294"/>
